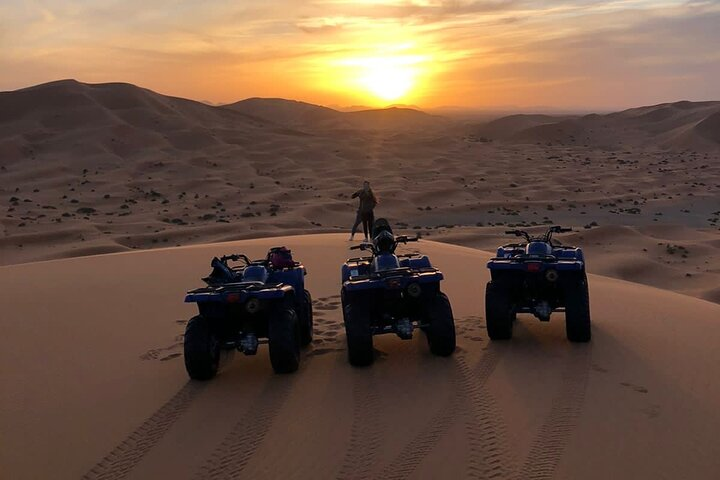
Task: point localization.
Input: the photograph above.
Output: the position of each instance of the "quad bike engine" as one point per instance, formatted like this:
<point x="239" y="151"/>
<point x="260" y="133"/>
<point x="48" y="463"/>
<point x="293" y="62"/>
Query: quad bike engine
<point x="404" y="328"/>
<point x="248" y="344"/>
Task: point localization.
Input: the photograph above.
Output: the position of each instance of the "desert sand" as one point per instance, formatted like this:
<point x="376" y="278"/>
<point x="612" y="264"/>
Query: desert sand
<point x="96" y="168"/>
<point x="94" y="383"/>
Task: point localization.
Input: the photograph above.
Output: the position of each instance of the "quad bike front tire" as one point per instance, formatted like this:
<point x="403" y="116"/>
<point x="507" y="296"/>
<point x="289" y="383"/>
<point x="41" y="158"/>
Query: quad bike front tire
<point x="499" y="316"/>
<point x="578" y="327"/>
<point x="306" y="324"/>
<point x="441" y="326"/>
<point x="358" y="330"/>
<point x="201" y="349"/>
<point x="284" y="339"/>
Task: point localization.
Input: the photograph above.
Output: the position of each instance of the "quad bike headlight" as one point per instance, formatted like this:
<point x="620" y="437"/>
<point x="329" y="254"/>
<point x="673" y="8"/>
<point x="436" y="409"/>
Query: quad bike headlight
<point x="551" y="275"/>
<point x="252" y="305"/>
<point x="414" y="290"/>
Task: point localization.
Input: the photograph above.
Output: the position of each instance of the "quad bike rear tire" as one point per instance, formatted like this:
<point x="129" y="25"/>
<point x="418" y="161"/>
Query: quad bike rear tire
<point x="358" y="330"/>
<point x="284" y="339"/>
<point x="498" y="312"/>
<point x="306" y="324"/>
<point x="441" y="326"/>
<point x="578" y="327"/>
<point x="201" y="349"/>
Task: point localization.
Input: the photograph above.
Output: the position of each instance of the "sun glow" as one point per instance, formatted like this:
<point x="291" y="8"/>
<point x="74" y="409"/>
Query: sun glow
<point x="387" y="78"/>
<point x="387" y="81"/>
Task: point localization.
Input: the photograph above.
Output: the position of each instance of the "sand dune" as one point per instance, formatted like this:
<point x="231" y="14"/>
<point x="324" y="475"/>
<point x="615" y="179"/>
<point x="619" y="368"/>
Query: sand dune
<point x="309" y="117"/>
<point x="678" y="126"/>
<point x="93" y="383"/>
<point x="506" y="128"/>
<point x="290" y="112"/>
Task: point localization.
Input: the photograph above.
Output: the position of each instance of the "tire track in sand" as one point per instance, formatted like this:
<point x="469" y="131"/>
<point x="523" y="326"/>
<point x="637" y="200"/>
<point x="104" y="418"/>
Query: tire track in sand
<point x="237" y="448"/>
<point x="366" y="431"/>
<point x="405" y="463"/>
<point x="128" y="453"/>
<point x="485" y="428"/>
<point x="549" y="444"/>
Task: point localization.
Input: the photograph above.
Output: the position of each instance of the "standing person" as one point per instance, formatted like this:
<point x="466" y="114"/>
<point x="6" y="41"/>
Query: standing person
<point x="365" y="213"/>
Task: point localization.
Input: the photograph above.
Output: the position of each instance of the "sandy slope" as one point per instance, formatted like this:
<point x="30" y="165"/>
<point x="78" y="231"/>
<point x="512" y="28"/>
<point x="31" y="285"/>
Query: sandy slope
<point x="680" y="126"/>
<point x="93" y="382"/>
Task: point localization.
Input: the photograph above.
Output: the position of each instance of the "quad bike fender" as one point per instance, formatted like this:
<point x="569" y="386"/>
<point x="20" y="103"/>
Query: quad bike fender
<point x="290" y="276"/>
<point x="354" y="268"/>
<point x="392" y="283"/>
<point x="562" y="265"/>
<point x="239" y="296"/>
<point x="416" y="262"/>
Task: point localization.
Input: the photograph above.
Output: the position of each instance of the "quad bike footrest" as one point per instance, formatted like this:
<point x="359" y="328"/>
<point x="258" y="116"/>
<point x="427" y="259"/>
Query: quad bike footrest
<point x="403" y="328"/>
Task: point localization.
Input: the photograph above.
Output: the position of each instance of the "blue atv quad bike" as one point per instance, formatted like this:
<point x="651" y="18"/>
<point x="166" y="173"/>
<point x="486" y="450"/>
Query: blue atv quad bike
<point x="260" y="301"/>
<point x="538" y="276"/>
<point x="389" y="293"/>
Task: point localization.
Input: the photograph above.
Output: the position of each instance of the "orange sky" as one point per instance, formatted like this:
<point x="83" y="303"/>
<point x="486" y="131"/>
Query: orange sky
<point x="493" y="53"/>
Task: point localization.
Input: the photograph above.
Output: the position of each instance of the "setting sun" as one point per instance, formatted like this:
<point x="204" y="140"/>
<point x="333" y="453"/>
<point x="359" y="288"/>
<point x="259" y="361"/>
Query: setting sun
<point x="388" y="82"/>
<point x="384" y="79"/>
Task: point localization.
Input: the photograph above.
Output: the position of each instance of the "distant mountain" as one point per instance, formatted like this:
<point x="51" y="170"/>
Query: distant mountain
<point x="122" y="99"/>
<point x="110" y="120"/>
<point x="506" y="127"/>
<point x="395" y="118"/>
<point x="122" y="119"/>
<point x="308" y="116"/>
<point x="679" y="125"/>
<point x="287" y="112"/>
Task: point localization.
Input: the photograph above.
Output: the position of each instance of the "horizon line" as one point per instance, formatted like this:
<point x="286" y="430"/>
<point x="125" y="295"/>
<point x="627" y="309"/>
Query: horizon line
<point x="477" y="109"/>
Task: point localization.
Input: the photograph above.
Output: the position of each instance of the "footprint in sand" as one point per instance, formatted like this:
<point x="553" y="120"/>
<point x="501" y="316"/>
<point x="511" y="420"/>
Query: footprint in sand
<point x="636" y="388"/>
<point x="324" y="351"/>
<point x="327" y="307"/>
<point x="160" y="353"/>
<point x="598" y="368"/>
<point x="652" y="411"/>
<point x="170" y="357"/>
<point x="150" y="355"/>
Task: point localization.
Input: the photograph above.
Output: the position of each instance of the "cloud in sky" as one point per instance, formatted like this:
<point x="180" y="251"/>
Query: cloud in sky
<point x="480" y="53"/>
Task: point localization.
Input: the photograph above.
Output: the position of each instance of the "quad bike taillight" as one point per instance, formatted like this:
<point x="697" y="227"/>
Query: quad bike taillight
<point x="533" y="266"/>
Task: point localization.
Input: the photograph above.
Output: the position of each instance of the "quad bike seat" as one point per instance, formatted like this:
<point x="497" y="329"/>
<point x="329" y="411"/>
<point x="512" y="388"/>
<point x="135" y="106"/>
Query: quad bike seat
<point x="541" y="249"/>
<point x="255" y="274"/>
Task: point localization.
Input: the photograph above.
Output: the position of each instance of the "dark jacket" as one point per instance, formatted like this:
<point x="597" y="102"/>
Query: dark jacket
<point x="368" y="201"/>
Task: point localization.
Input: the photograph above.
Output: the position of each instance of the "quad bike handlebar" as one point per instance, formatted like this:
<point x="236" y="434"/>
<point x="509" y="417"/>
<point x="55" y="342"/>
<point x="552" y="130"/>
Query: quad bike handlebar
<point x="398" y="239"/>
<point x="546" y="237"/>
<point x="236" y="257"/>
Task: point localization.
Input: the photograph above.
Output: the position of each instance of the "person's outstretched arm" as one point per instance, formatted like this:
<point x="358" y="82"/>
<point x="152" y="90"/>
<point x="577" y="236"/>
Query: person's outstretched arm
<point x="356" y="194"/>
